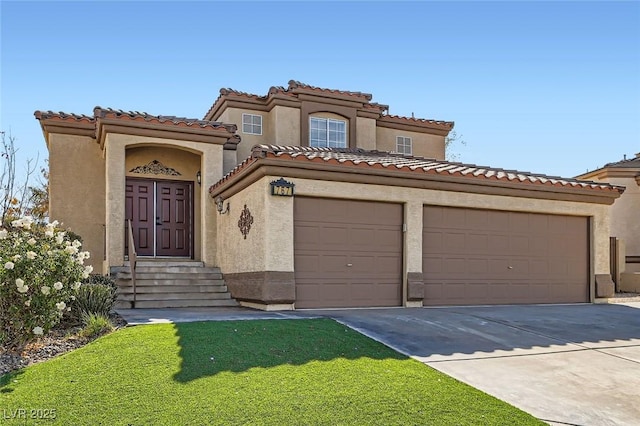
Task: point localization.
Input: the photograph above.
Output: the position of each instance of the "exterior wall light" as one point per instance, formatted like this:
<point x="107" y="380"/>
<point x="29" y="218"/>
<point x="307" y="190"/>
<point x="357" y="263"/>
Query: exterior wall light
<point x="199" y="177"/>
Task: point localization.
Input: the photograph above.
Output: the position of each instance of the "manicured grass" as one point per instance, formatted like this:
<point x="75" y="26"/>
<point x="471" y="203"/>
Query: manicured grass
<point x="278" y="372"/>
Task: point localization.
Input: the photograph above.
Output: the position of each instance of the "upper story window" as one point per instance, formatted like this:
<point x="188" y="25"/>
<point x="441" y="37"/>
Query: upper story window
<point x="327" y="133"/>
<point x="403" y="145"/>
<point x="252" y="124"/>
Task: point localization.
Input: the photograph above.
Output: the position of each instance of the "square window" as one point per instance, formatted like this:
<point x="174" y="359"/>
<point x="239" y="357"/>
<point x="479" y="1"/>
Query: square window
<point x="403" y="145"/>
<point x="252" y="124"/>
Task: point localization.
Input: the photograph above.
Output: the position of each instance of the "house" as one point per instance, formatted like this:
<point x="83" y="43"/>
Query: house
<point x="310" y="197"/>
<point x="625" y="223"/>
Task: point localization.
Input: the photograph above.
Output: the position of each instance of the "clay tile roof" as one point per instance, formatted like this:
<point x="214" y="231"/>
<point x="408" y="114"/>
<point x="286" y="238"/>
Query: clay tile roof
<point x="100" y="112"/>
<point x="43" y="115"/>
<point x="293" y="84"/>
<point x="378" y="159"/>
<point x="626" y="163"/>
<point x="401" y="119"/>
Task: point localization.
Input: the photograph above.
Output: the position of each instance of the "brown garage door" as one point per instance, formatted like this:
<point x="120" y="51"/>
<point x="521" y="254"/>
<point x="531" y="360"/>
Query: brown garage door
<point x="347" y="253"/>
<point x="473" y="257"/>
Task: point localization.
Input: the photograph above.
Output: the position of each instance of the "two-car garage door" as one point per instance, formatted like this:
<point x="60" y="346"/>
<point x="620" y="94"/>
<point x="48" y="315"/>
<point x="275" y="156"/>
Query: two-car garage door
<point x="349" y="254"/>
<point x="473" y="257"/>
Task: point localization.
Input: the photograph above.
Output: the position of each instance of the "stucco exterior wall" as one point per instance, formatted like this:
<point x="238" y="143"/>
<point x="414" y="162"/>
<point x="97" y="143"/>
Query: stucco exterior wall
<point x="625" y="214"/>
<point x="366" y="133"/>
<point x="286" y="126"/>
<point x="115" y="148"/>
<point x="424" y="145"/>
<point x="77" y="191"/>
<point x="273" y="246"/>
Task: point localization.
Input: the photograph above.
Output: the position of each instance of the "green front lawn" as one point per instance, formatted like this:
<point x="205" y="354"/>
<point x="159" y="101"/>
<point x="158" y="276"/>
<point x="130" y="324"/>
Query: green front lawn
<point x="278" y="372"/>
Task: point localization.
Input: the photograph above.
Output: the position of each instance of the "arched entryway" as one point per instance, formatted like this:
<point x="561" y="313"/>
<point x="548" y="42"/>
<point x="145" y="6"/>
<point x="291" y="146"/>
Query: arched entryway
<point x="161" y="201"/>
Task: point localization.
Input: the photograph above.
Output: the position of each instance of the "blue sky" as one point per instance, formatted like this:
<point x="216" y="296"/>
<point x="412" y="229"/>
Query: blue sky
<point x="550" y="87"/>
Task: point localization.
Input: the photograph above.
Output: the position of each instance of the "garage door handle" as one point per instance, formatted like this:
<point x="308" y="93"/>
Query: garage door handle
<point x="509" y="267"/>
<point x="349" y="265"/>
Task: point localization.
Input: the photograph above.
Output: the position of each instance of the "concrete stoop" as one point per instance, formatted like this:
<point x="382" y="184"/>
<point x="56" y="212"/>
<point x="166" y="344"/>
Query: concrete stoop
<point x="172" y="284"/>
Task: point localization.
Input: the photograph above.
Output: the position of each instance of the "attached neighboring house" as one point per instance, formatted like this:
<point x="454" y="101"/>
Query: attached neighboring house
<point x="625" y="216"/>
<point x="309" y="197"/>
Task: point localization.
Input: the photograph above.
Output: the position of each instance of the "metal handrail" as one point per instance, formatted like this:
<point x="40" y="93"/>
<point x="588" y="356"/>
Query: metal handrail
<point x="133" y="257"/>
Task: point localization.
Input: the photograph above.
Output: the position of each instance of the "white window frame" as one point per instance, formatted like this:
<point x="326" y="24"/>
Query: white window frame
<point x="252" y="124"/>
<point x="402" y="143"/>
<point x="327" y="141"/>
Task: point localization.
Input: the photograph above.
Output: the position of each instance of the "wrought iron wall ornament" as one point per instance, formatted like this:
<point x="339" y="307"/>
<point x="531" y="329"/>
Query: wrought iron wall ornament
<point x="155" y="167"/>
<point x="245" y="221"/>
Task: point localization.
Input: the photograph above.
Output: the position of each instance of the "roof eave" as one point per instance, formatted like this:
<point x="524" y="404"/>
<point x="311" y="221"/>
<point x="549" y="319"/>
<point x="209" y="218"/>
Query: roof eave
<point x="398" y="177"/>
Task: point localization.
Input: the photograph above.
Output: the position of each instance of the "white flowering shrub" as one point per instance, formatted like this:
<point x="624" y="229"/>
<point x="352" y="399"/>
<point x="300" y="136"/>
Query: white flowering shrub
<point x="40" y="271"/>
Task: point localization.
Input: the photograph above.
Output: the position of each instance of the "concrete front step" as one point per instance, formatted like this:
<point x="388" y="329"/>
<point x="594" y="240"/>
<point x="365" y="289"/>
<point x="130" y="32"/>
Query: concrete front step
<point x="162" y="263"/>
<point x="142" y="275"/>
<point x="150" y="304"/>
<point x="175" y="296"/>
<point x="173" y="289"/>
<point x="174" y="270"/>
<point x="175" y="283"/>
<point x="187" y="282"/>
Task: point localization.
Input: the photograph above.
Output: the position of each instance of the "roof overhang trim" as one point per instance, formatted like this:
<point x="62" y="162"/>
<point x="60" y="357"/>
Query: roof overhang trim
<point x="255" y="168"/>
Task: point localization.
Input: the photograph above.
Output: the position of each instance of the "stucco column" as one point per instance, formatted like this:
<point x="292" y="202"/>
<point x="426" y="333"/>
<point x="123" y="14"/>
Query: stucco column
<point x="211" y="172"/>
<point x="115" y="198"/>
<point x="414" y="289"/>
<point x="602" y="285"/>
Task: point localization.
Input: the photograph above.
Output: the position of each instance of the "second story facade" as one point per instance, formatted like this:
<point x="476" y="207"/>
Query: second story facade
<point x="304" y="115"/>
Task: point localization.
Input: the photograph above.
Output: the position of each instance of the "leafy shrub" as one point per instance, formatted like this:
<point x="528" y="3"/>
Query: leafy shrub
<point x="93" y="299"/>
<point x="40" y="272"/>
<point x="95" y="325"/>
<point x="105" y="280"/>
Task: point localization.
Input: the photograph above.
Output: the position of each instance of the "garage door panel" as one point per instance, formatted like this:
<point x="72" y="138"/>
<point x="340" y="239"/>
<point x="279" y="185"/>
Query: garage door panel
<point x="365" y="235"/>
<point x="329" y="236"/>
<point x="477" y="243"/>
<point x="519" y="244"/>
<point x="453" y="242"/>
<point x="498" y="244"/>
<point x="527" y="257"/>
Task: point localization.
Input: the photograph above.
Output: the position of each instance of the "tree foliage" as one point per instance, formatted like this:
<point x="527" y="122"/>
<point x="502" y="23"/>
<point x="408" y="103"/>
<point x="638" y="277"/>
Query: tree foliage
<point x="19" y="198"/>
<point x="450" y="141"/>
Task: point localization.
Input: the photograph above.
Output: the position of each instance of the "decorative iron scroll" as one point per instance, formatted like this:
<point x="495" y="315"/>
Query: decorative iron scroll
<point x="245" y="221"/>
<point x="155" y="167"/>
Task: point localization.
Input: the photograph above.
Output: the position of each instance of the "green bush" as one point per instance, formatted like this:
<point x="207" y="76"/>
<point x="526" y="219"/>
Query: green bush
<point x="40" y="272"/>
<point x="95" y="325"/>
<point x="97" y="299"/>
<point x="105" y="280"/>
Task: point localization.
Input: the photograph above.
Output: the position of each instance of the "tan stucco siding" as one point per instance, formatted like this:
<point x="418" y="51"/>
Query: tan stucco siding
<point x="268" y="246"/>
<point x="77" y="191"/>
<point x="237" y="253"/>
<point x="286" y="125"/>
<point x="116" y="147"/>
<point x="424" y="145"/>
<point x="366" y="133"/>
<point x="625" y="216"/>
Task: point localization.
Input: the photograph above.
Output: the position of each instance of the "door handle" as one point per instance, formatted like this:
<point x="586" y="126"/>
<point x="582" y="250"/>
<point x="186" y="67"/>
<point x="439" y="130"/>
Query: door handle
<point x="158" y="221"/>
<point x="349" y="265"/>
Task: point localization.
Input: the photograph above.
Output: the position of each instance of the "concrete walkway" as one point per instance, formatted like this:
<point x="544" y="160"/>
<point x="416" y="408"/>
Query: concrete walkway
<point x="564" y="364"/>
<point x="174" y="315"/>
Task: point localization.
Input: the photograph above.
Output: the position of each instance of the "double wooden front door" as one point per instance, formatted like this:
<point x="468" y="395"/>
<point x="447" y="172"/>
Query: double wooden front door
<point x="161" y="217"/>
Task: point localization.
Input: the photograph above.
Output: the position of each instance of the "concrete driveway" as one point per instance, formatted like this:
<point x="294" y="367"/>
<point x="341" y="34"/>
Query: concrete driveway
<point x="566" y="365"/>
